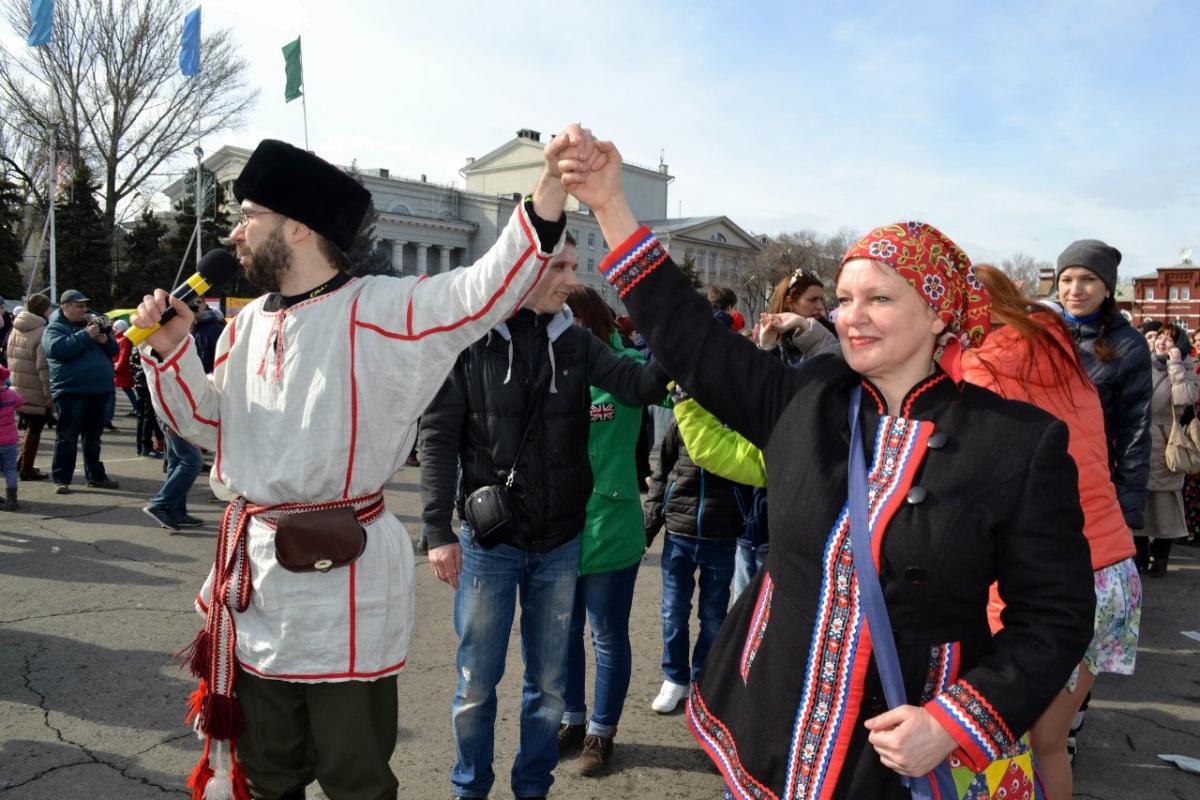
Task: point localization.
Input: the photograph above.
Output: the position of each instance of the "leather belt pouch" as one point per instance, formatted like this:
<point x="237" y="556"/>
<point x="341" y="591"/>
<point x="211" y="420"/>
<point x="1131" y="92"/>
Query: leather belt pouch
<point x="318" y="541"/>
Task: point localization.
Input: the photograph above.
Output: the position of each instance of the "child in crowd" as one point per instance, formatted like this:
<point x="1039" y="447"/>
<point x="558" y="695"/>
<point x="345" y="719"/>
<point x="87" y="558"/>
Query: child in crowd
<point x="9" y="402"/>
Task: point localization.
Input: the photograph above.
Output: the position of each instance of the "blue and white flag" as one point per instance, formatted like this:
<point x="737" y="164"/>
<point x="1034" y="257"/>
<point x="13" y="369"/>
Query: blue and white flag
<point x="189" y="50"/>
<point x="41" y="22"/>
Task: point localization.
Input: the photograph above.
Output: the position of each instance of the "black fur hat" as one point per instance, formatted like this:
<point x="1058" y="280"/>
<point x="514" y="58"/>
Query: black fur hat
<point x="299" y="185"/>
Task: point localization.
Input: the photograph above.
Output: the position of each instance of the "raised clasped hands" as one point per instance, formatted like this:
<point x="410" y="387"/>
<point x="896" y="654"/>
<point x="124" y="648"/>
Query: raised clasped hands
<point x="772" y="326"/>
<point x="909" y="740"/>
<point x="592" y="176"/>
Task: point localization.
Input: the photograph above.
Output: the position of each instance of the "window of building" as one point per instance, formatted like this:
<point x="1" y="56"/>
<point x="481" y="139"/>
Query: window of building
<point x="718" y="237"/>
<point x="1149" y="293"/>
<point x="575" y="234"/>
<point x="1173" y="293"/>
<point x="591" y="265"/>
<point x="1185" y="293"/>
<point x="712" y="261"/>
<point x="591" y="240"/>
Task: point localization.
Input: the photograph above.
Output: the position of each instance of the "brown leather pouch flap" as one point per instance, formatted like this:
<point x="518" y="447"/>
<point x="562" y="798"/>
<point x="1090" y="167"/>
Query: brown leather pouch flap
<point x="318" y="541"/>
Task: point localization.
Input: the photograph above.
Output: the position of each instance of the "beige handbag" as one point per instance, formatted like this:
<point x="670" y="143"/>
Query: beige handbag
<point x="1182" y="453"/>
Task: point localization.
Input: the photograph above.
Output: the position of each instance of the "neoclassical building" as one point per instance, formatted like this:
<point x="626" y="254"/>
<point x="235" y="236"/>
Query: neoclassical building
<point x="431" y="227"/>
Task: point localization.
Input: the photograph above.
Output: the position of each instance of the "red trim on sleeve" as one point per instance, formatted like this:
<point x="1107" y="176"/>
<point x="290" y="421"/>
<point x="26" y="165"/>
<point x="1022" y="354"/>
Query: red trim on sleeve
<point x="353" y="398"/>
<point x="504" y="287"/>
<point x="968" y="752"/>
<point x="232" y="332"/>
<point x="203" y="605"/>
<point x="624" y="248"/>
<point x="162" y="401"/>
<point x="192" y="401"/>
<point x="173" y="360"/>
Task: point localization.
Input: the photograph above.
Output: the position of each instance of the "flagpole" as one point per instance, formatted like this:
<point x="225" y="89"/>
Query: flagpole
<point x="304" y="106"/>
<point x="52" y="196"/>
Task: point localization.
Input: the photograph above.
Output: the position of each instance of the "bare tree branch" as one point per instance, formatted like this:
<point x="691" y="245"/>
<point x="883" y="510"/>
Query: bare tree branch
<point x="111" y="82"/>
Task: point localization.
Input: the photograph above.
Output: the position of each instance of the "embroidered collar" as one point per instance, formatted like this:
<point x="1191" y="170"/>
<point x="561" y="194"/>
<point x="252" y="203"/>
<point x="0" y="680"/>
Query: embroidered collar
<point x="920" y="398"/>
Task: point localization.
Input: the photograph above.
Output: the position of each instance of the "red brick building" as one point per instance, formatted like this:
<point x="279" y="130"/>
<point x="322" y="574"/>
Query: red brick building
<point x="1170" y="294"/>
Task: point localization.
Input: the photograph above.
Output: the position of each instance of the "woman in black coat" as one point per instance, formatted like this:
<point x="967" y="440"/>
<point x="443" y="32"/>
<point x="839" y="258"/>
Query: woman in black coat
<point x="965" y="489"/>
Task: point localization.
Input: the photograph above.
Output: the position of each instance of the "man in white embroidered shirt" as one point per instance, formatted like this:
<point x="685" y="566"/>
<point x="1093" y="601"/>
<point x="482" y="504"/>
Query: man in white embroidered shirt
<point x="311" y="406"/>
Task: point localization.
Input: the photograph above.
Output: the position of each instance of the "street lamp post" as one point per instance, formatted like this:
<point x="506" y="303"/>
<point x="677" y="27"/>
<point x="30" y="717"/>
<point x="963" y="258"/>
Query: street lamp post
<point x="199" y="204"/>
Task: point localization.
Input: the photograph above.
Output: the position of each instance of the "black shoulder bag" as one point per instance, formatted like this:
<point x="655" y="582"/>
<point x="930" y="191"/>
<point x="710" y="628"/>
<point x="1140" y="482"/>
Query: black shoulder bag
<point x="488" y="509"/>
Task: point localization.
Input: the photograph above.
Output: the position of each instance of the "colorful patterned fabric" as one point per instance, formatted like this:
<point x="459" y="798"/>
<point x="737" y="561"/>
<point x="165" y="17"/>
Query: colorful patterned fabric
<point x="943" y="275"/>
<point x="1118" y="620"/>
<point x="633" y="260"/>
<point x="758" y="625"/>
<point x="1191" y="504"/>
<point x="968" y="717"/>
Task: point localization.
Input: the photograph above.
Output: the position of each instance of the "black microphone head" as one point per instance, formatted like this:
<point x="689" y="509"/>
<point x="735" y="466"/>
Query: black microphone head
<point x="217" y="267"/>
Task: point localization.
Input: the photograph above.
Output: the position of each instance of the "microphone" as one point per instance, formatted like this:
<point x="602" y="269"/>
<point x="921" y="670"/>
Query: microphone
<point x="217" y="267"/>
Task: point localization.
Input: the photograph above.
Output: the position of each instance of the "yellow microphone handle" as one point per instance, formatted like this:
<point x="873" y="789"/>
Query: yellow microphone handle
<point x="138" y="335"/>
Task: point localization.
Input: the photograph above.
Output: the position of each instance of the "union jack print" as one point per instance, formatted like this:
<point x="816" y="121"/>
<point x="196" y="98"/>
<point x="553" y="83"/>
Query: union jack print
<point x="602" y="412"/>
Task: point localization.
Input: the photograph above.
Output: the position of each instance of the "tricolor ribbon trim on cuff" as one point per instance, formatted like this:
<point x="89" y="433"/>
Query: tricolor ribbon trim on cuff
<point x="981" y="734"/>
<point x="633" y="260"/>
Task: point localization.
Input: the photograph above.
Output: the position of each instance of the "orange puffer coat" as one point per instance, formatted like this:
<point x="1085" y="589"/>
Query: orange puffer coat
<point x="1078" y="405"/>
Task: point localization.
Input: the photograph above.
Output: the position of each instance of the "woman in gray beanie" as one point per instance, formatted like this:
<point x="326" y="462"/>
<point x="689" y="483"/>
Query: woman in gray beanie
<point x="1118" y="362"/>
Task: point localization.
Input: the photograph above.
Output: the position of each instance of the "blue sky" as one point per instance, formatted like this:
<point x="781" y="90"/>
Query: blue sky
<point x="1010" y="125"/>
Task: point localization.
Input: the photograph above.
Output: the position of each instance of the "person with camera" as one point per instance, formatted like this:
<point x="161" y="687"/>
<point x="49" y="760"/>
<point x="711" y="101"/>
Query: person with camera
<point x="79" y="348"/>
<point x="517" y="403"/>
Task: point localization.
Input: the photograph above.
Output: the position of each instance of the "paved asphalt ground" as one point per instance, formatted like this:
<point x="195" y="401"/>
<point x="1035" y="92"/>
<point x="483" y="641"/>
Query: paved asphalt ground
<point x="94" y="600"/>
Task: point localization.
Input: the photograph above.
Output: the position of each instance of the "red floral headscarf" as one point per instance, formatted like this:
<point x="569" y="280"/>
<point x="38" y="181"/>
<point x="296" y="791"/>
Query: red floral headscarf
<point x="942" y="274"/>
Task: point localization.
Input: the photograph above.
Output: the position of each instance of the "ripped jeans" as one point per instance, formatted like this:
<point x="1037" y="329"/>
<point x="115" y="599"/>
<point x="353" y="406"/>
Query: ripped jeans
<point x="489" y="586"/>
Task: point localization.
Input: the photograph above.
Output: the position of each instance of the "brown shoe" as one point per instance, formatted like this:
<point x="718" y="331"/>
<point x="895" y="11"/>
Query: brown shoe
<point x="597" y="752"/>
<point x="570" y="738"/>
<point x="33" y="476"/>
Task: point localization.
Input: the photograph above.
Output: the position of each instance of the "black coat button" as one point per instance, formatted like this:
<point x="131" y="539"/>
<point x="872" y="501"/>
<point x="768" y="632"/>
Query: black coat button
<point x="916" y="495"/>
<point x="916" y="575"/>
<point x="937" y="441"/>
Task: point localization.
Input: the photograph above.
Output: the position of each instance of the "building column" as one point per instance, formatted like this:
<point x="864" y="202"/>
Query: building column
<point x="444" y="261"/>
<point x="398" y="256"/>
<point x="422" y="262"/>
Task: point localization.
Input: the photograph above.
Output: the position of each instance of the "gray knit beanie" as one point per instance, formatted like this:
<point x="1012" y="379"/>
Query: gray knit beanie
<point x="1094" y="255"/>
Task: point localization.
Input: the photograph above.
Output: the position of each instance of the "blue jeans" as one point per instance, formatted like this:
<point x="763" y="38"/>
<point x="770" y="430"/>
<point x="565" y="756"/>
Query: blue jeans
<point x="605" y="599"/>
<point x="184" y="463"/>
<point x="488" y="588"/>
<point x="746" y="564"/>
<point x="681" y="556"/>
<point x="78" y="415"/>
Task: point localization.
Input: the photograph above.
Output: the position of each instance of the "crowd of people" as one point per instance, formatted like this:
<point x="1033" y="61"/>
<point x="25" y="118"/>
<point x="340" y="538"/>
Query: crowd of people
<point x="913" y="525"/>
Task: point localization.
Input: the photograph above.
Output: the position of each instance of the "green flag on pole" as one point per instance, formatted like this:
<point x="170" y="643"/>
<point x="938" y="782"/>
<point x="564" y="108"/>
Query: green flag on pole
<point x="293" y="69"/>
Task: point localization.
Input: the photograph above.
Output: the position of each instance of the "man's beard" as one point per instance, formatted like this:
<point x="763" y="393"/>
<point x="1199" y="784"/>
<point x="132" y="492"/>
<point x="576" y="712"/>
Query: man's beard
<point x="266" y="265"/>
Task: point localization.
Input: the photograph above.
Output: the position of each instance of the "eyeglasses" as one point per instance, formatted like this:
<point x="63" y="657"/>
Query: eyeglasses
<point x="244" y="216"/>
<point x="806" y="275"/>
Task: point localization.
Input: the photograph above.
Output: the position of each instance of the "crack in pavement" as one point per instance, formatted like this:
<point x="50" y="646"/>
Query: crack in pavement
<point x="1159" y="725"/>
<point x="96" y="611"/>
<point x="119" y="556"/>
<point x="91" y="758"/>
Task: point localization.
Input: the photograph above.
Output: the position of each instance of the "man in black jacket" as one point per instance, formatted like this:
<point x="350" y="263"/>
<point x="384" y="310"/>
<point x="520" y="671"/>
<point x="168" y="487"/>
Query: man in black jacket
<point x="537" y="361"/>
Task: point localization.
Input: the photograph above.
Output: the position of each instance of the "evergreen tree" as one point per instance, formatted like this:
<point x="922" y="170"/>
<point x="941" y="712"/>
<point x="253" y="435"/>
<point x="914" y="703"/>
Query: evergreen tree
<point x="147" y="264"/>
<point x="368" y="256"/>
<point x="217" y="224"/>
<point x="11" y="283"/>
<point x="688" y="268"/>
<point x="84" y="248"/>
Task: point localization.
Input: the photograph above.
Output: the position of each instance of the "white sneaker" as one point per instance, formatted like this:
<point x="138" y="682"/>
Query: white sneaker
<point x="668" y="697"/>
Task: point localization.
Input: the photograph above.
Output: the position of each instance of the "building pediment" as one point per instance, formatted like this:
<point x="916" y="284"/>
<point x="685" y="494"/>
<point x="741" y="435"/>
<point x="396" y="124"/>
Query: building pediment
<point x="713" y="231"/>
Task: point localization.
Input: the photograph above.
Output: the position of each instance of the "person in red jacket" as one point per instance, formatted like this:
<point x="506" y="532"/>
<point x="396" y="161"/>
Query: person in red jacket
<point x="1029" y="356"/>
<point x="122" y="368"/>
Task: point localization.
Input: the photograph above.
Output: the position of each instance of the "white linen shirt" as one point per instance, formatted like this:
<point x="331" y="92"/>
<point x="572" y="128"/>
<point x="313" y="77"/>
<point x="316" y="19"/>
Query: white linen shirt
<point x="319" y="402"/>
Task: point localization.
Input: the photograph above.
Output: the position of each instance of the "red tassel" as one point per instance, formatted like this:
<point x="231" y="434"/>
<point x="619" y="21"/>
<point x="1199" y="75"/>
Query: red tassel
<point x="195" y="655"/>
<point x="198" y="780"/>
<point x="241" y="787"/>
<point x="221" y="716"/>
<point x="194" y="701"/>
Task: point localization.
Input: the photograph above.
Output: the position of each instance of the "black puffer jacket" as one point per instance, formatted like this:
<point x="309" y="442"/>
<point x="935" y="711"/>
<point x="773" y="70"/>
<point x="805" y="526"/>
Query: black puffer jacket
<point x="479" y="417"/>
<point x="691" y="500"/>
<point x="1125" y="385"/>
